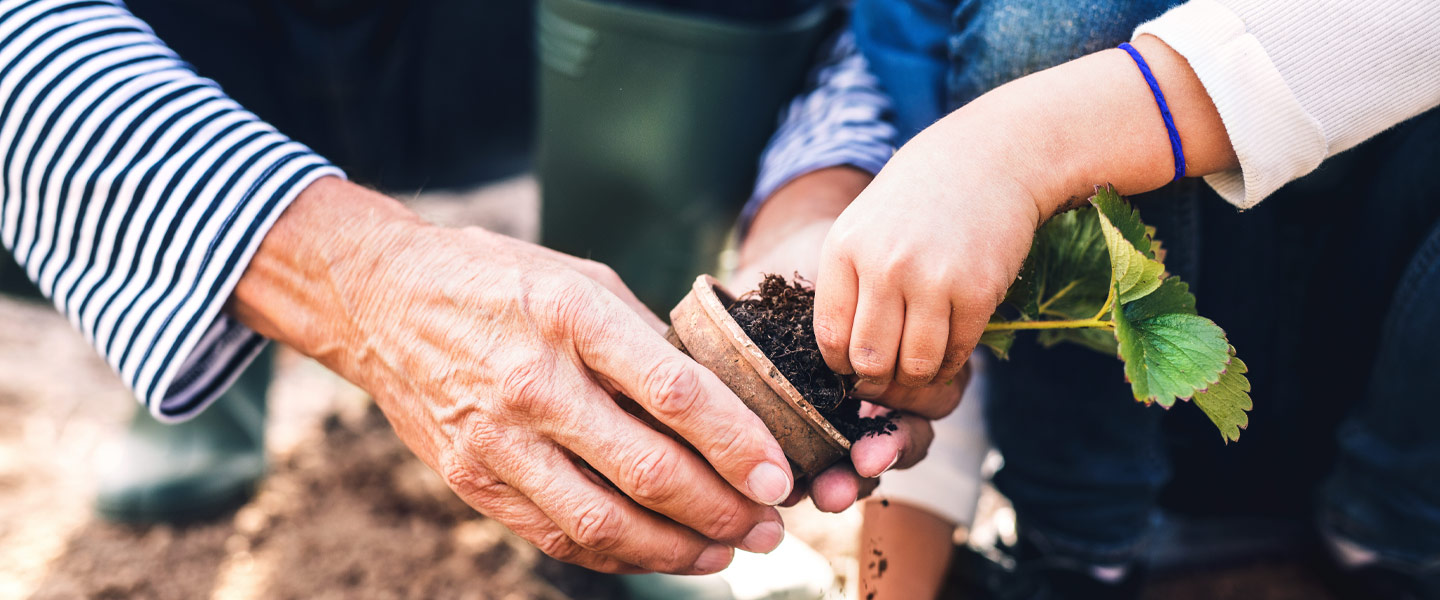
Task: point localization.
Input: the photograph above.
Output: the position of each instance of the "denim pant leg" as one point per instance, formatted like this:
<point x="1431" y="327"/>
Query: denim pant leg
<point x="1083" y="461"/>
<point x="1384" y="494"/>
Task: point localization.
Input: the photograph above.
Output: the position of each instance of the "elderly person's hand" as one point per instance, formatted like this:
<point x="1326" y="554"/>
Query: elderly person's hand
<point x="498" y="363"/>
<point x="786" y="237"/>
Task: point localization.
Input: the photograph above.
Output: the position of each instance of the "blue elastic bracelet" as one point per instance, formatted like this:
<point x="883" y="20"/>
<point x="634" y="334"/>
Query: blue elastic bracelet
<point x="1175" y="147"/>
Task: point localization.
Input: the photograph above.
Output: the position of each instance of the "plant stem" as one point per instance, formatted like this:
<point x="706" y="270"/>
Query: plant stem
<point x="1109" y="300"/>
<point x="1060" y="294"/>
<point x="1071" y="324"/>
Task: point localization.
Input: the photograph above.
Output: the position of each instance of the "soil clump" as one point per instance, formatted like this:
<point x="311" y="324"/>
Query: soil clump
<point x="779" y="317"/>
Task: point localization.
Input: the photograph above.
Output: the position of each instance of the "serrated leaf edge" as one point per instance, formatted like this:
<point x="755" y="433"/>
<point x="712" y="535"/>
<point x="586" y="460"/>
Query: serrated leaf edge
<point x="1244" y="411"/>
<point x="1132" y="268"/>
<point x="1155" y="398"/>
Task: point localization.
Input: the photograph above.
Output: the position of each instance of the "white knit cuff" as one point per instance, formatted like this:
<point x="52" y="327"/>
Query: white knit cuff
<point x="948" y="481"/>
<point x="1276" y="140"/>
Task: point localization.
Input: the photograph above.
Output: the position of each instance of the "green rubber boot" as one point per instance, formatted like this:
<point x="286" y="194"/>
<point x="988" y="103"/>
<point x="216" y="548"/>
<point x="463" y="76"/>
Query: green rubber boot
<point x="651" y="124"/>
<point x="199" y="469"/>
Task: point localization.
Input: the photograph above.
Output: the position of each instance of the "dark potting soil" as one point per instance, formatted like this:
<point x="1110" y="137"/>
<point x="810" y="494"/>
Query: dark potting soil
<point x="779" y="317"/>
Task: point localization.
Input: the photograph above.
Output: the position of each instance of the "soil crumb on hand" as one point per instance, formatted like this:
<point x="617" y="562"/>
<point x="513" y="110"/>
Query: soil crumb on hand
<point x="780" y="317"/>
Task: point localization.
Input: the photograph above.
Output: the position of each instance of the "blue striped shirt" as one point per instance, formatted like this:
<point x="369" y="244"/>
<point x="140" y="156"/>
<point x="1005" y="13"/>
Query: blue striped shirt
<point x="134" y="192"/>
<point x="842" y="119"/>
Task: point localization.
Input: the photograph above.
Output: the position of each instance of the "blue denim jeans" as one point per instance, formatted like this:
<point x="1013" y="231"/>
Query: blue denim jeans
<point x="1328" y="289"/>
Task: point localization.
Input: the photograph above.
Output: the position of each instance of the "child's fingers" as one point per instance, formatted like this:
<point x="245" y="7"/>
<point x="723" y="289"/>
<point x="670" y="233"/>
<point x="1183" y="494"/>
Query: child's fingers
<point x="875" y="336"/>
<point x="960" y="343"/>
<point x="932" y="401"/>
<point x="922" y="345"/>
<point x="835" y="293"/>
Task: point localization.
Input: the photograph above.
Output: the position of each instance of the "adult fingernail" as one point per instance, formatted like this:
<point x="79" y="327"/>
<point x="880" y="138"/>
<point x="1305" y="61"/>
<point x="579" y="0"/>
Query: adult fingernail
<point x="763" y="537"/>
<point x="769" y="484"/>
<point x="866" y="466"/>
<point x="868" y="390"/>
<point x="714" y="558"/>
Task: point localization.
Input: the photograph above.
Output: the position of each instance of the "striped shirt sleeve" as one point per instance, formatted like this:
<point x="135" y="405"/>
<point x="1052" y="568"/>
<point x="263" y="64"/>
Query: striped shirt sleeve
<point x="134" y="193"/>
<point x="842" y="119"/>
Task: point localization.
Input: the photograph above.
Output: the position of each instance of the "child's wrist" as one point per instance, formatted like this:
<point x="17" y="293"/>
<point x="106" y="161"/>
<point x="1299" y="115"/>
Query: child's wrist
<point x="1091" y="121"/>
<point x="1008" y="139"/>
<point x="1098" y="121"/>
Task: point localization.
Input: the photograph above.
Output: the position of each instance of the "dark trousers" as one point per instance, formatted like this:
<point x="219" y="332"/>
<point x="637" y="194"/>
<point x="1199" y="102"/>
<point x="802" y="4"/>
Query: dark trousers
<point x="402" y="94"/>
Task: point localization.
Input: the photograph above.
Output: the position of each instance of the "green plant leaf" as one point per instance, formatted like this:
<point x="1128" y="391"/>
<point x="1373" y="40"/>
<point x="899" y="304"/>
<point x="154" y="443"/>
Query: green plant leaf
<point x="1133" y="269"/>
<point x="1126" y="220"/>
<point x="1227" y="400"/>
<point x="1171" y="296"/>
<point x="1157" y="251"/>
<point x="998" y="342"/>
<point x="1169" y="351"/>
<point x="1083" y="259"/>
<point x="1066" y="275"/>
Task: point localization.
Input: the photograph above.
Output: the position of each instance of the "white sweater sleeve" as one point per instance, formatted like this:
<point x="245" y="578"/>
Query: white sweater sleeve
<point x="1299" y="81"/>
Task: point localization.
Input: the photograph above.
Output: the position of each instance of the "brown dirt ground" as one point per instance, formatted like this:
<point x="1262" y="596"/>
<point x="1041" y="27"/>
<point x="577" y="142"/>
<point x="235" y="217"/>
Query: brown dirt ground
<point x="346" y="513"/>
<point x="351" y="515"/>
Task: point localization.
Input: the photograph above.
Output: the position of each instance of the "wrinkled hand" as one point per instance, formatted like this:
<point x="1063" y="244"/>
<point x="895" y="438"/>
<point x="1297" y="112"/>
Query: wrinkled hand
<point x="497" y="362"/>
<point x="786" y="238"/>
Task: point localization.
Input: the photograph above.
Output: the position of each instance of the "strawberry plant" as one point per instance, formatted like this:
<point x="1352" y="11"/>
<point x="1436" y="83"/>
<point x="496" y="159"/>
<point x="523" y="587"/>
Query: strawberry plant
<point x="1096" y="277"/>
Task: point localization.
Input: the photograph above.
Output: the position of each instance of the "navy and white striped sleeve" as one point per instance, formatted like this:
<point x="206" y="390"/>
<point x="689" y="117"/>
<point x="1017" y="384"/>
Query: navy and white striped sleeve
<point x="134" y="193"/>
<point x="841" y="120"/>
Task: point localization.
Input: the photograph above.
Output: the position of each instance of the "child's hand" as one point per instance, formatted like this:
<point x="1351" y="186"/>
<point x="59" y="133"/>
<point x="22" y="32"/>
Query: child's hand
<point x="786" y="238"/>
<point x="914" y="267"/>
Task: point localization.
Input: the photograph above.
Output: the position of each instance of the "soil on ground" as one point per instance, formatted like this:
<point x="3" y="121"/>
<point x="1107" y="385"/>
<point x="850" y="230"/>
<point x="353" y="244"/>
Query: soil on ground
<point x="351" y="515"/>
<point x="779" y="317"/>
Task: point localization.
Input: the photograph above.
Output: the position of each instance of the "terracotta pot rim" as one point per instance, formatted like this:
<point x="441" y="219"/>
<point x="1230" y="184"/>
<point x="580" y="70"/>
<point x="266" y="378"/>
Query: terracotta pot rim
<point x="705" y="288"/>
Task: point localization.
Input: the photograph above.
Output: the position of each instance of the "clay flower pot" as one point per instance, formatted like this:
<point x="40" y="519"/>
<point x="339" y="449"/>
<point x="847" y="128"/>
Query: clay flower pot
<point x="702" y="328"/>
